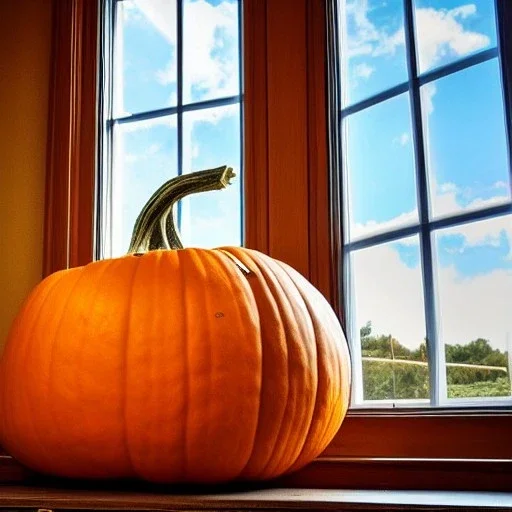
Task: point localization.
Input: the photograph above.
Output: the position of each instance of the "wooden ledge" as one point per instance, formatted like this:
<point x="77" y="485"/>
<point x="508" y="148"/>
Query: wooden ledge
<point x="337" y="473"/>
<point x="263" y="499"/>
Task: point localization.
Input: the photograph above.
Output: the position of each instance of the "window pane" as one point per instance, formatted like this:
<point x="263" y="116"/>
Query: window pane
<point x="474" y="276"/>
<point x="372" y="48"/>
<point x="379" y="164"/>
<point x="145" y="56"/>
<point x="144" y="158"/>
<point x="448" y="30"/>
<point x="466" y="140"/>
<point x="211" y="138"/>
<point x="389" y="316"/>
<point x="210" y="49"/>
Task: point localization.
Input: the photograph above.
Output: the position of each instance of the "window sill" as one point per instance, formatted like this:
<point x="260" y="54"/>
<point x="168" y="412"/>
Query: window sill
<point x="331" y="474"/>
<point x="260" y="499"/>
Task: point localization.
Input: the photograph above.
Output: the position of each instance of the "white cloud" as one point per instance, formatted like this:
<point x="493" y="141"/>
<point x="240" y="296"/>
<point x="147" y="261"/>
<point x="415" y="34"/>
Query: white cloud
<point x="367" y="38"/>
<point x="209" y="44"/>
<point x="440" y="32"/>
<point x="154" y="148"/>
<point x="214" y="72"/>
<point x="428" y="92"/>
<point x="501" y="184"/>
<point x="160" y="13"/>
<point x="168" y="75"/>
<point x="390" y="295"/>
<point x="360" y="229"/>
<point x="364" y="71"/>
<point x="212" y="115"/>
<point x="402" y="140"/>
<point x="445" y="200"/>
<point x="485" y="232"/>
<point x="146" y="124"/>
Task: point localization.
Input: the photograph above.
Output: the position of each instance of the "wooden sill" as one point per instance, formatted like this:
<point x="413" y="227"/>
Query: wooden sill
<point x="337" y="473"/>
<point x="259" y="499"/>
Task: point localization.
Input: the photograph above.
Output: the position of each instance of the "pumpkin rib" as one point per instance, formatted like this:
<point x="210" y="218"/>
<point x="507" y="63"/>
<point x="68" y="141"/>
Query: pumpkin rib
<point x="318" y="375"/>
<point x="21" y="356"/>
<point x="229" y="265"/>
<point x="90" y="291"/>
<point x="196" y="259"/>
<point x="184" y="302"/>
<point x="276" y="291"/>
<point x="297" y="464"/>
<point x="124" y="371"/>
<point x="263" y="296"/>
<point x="297" y="412"/>
<point x="262" y="351"/>
<point x="334" y="355"/>
<point x="221" y="285"/>
<point x="263" y="473"/>
<point x="55" y="423"/>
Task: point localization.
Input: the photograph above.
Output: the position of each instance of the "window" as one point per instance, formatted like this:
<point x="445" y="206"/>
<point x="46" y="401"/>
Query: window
<point x="426" y="203"/>
<point x="172" y="105"/>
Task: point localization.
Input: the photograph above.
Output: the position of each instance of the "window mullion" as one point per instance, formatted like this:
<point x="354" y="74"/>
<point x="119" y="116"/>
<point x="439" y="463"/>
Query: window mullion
<point x="179" y="94"/>
<point x="503" y="18"/>
<point x="435" y="353"/>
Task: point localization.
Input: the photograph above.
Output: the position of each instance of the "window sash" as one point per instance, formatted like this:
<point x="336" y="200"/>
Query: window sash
<point x="374" y="448"/>
<point x="426" y="227"/>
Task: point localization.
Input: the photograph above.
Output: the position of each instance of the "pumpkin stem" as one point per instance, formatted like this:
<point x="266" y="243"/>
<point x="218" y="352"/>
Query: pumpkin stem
<point x="155" y="227"/>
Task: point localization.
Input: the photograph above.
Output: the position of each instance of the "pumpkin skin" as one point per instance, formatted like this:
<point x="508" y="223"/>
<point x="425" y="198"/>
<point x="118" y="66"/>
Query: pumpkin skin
<point x="174" y="366"/>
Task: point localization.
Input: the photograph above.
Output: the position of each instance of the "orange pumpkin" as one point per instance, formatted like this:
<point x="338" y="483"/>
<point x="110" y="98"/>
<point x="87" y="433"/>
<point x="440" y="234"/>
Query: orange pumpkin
<point x="174" y="365"/>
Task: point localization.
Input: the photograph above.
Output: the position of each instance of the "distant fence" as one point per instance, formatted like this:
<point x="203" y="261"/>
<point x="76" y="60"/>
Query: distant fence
<point x="424" y="363"/>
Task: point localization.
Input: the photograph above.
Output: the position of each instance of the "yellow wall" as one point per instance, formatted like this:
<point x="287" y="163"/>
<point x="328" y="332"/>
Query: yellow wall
<point x="25" y="37"/>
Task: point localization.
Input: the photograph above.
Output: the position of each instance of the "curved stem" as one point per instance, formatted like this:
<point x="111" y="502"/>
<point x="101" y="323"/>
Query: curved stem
<point x="155" y="227"/>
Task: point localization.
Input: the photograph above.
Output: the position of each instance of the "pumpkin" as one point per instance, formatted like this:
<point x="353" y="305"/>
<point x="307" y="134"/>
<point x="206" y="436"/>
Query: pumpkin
<point x="173" y="365"/>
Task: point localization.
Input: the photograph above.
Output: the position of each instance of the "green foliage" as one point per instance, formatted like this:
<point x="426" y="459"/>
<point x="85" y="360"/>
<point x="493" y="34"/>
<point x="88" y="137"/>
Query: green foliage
<point x="383" y="381"/>
<point x="388" y="381"/>
<point x="500" y="387"/>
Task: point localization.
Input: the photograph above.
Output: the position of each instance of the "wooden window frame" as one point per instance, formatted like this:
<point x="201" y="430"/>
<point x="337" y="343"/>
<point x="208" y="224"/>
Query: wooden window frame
<point x="289" y="212"/>
<point x="286" y="107"/>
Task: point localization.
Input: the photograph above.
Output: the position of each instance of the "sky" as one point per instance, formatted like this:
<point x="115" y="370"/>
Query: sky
<point x="463" y="128"/>
<point x="145" y="152"/>
<point x="467" y="165"/>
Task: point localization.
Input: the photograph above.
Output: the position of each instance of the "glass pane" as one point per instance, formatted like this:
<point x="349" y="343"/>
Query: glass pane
<point x="474" y="276"/>
<point x="144" y="158"/>
<point x="466" y="142"/>
<point x="145" y="56"/>
<point x="372" y="48"/>
<point x="390" y="320"/>
<point x="211" y="138"/>
<point x="210" y="50"/>
<point x="379" y="166"/>
<point x="448" y="30"/>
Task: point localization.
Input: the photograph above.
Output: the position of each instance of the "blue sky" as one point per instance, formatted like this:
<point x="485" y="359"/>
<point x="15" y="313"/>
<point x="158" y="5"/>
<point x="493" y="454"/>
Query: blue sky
<point x="467" y="164"/>
<point x="146" y="79"/>
<point x="463" y="127"/>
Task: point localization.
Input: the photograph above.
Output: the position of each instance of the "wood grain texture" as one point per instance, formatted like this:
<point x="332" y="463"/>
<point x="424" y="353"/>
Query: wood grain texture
<point x="404" y="474"/>
<point x="144" y="498"/>
<point x="287" y="132"/>
<point x="255" y="128"/>
<point x="285" y="136"/>
<point x="322" y="261"/>
<point x="476" y="434"/>
<point x="71" y="147"/>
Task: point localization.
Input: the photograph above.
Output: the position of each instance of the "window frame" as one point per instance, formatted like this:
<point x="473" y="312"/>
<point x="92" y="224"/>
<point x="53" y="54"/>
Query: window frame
<point x="455" y="448"/>
<point x="414" y="449"/>
<point x="425" y="227"/>
<point x="108" y="120"/>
